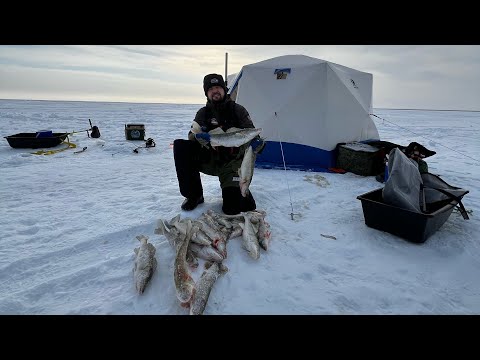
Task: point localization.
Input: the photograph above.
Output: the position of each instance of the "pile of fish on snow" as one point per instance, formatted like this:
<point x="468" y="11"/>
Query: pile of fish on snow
<point x="206" y="238"/>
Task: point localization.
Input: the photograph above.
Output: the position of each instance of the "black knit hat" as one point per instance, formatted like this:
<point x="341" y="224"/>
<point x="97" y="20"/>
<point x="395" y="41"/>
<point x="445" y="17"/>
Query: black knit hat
<point x="212" y="80"/>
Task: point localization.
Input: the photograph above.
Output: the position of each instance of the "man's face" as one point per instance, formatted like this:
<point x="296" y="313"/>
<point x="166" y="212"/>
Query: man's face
<point x="215" y="93"/>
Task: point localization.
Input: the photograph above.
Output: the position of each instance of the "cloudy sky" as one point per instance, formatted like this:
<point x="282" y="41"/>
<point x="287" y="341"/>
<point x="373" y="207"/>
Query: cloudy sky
<point x="404" y="76"/>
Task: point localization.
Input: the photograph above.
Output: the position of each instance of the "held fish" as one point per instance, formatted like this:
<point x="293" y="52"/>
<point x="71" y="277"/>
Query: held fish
<point x="145" y="263"/>
<point x="204" y="287"/>
<point x="233" y="137"/>
<point x="245" y="172"/>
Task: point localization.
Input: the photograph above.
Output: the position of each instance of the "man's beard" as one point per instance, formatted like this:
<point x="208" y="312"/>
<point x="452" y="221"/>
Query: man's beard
<point x="220" y="99"/>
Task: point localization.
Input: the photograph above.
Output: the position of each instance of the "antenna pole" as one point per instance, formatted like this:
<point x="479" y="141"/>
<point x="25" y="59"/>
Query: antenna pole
<point x="226" y="73"/>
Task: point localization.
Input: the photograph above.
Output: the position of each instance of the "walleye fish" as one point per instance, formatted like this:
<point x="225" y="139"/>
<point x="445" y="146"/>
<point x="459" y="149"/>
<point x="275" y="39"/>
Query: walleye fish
<point x="221" y="242"/>
<point x="219" y="239"/>
<point x="199" y="237"/>
<point x="263" y="234"/>
<point x="145" y="263"/>
<point x="249" y="238"/>
<point x="237" y="231"/>
<point x="192" y="260"/>
<point x="257" y="217"/>
<point x="208" y="253"/>
<point x="218" y="218"/>
<point x="245" y="172"/>
<point x="184" y="284"/>
<point x="204" y="286"/>
<point x="233" y="137"/>
<point x="173" y="235"/>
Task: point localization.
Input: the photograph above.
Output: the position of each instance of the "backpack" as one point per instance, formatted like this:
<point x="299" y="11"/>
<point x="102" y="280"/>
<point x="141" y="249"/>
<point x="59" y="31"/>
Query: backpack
<point x="95" y="132"/>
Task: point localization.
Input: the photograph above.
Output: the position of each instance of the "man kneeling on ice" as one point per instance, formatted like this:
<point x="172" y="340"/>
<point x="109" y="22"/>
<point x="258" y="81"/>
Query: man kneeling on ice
<point x="217" y="152"/>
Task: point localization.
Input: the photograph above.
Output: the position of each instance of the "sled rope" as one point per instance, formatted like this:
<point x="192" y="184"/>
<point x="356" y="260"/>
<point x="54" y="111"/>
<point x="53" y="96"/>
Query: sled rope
<point x="285" y="168"/>
<point x="50" y="152"/>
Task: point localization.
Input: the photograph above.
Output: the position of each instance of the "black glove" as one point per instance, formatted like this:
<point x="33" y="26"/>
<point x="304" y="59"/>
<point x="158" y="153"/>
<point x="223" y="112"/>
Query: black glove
<point x="257" y="145"/>
<point x="203" y="138"/>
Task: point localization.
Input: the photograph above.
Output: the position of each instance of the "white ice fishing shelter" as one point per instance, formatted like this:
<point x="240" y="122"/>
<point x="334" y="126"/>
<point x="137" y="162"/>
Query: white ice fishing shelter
<point x="306" y="106"/>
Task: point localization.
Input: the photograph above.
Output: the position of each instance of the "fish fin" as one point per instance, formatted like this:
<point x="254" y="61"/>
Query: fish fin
<point x="263" y="245"/>
<point x="217" y="130"/>
<point x="141" y="237"/>
<point x="152" y="248"/>
<point x="174" y="220"/>
<point x="233" y="128"/>
<point x="162" y="228"/>
<point x="192" y="261"/>
<point x="253" y="218"/>
<point x="208" y="264"/>
<point x="223" y="268"/>
<point x="136" y="251"/>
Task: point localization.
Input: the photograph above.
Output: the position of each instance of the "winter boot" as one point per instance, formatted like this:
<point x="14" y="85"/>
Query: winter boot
<point x="234" y="202"/>
<point x="191" y="203"/>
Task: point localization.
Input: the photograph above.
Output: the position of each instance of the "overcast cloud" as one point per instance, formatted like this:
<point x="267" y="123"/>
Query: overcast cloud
<point x="404" y="76"/>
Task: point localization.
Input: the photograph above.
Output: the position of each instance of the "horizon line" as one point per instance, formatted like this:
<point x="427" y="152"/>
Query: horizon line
<point x="168" y="103"/>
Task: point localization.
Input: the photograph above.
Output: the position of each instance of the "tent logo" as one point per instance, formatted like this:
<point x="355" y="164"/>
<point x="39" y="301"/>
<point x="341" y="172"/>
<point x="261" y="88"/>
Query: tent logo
<point x="282" y="73"/>
<point x="353" y="83"/>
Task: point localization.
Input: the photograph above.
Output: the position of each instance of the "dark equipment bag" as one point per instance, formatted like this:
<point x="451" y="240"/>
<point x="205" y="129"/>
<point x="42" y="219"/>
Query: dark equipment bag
<point x="435" y="192"/>
<point x="408" y="189"/>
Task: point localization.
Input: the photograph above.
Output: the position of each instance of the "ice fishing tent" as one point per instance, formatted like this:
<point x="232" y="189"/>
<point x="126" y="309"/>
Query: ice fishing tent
<point x="306" y="106"/>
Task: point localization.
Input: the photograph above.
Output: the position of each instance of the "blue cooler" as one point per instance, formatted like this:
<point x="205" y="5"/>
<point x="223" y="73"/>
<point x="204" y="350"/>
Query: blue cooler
<point x="44" y="133"/>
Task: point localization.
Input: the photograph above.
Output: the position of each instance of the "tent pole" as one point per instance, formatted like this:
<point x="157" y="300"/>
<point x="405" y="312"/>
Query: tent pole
<point x="226" y="73"/>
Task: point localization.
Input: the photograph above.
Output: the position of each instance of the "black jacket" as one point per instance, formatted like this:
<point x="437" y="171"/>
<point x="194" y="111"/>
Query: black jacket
<point x="226" y="114"/>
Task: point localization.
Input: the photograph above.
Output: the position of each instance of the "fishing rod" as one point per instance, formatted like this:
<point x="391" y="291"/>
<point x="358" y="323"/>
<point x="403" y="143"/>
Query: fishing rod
<point x="285" y="168"/>
<point x="93" y="129"/>
<point x="148" y="144"/>
<point x="80" y="151"/>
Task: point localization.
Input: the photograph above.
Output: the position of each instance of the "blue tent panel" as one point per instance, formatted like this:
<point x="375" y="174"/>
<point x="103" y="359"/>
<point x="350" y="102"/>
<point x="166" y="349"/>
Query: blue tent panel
<point x="297" y="157"/>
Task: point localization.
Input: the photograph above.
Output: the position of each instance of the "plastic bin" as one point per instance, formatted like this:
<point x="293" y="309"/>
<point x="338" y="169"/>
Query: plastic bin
<point x="409" y="225"/>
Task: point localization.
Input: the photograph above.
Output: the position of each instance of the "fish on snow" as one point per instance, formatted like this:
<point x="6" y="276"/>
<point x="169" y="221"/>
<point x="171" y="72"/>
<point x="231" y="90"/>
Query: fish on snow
<point x="145" y="263"/>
